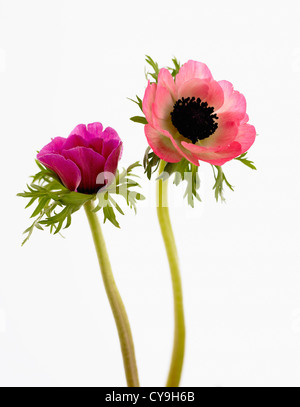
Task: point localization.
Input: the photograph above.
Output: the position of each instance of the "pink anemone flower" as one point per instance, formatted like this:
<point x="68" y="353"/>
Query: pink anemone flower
<point x="86" y="154"/>
<point x="196" y="117"/>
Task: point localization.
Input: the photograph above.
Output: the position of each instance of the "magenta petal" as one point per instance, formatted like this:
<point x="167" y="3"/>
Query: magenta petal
<point x="111" y="164"/>
<point x="81" y="130"/>
<point x="90" y="163"/>
<point x="110" y="133"/>
<point x="75" y="141"/>
<point x="109" y="146"/>
<point x="96" y="144"/>
<point x="95" y="129"/>
<point x="55" y="146"/>
<point x="67" y="170"/>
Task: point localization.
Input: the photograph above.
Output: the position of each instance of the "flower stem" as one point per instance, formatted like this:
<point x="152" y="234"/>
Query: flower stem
<point x="116" y="303"/>
<point x="169" y="240"/>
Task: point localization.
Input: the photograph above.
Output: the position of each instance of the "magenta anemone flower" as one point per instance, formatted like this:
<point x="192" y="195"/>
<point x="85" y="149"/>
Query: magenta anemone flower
<point x="80" y="158"/>
<point x="196" y="117"/>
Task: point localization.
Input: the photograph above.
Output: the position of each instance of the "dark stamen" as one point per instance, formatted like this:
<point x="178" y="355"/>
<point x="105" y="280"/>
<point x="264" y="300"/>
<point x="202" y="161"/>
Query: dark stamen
<point x="194" y="119"/>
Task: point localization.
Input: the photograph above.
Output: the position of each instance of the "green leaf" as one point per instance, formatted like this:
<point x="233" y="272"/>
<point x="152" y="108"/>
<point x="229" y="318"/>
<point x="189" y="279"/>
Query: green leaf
<point x="139" y="102"/>
<point x="174" y="71"/>
<point x="151" y="162"/>
<point x="154" y="66"/>
<point x="219" y="180"/>
<point x="139" y="119"/>
<point x="110" y="215"/>
<point x="243" y="159"/>
<point x="43" y="202"/>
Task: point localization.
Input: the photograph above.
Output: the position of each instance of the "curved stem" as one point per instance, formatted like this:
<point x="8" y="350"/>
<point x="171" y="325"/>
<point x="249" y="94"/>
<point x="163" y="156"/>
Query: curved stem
<point x="116" y="303"/>
<point x="169" y="240"/>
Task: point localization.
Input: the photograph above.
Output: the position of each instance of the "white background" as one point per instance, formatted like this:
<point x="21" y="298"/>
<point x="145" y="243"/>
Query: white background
<point x="68" y="62"/>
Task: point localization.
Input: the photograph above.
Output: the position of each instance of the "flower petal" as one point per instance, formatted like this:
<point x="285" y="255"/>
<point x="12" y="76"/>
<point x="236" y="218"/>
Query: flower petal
<point x="112" y="161"/>
<point x="110" y="135"/>
<point x="164" y="128"/>
<point x="163" y="104"/>
<point x="66" y="169"/>
<point x="215" y="97"/>
<point x="189" y="155"/>
<point x="75" y="141"/>
<point x="55" y="146"/>
<point x="197" y="88"/>
<point x="224" y="135"/>
<point x="81" y="130"/>
<point x="246" y="136"/>
<point x="148" y="101"/>
<point x="96" y="144"/>
<point x="95" y="129"/>
<point x="162" y="145"/>
<point x="191" y="70"/>
<point x="109" y="146"/>
<point x="217" y="156"/>
<point x="166" y="80"/>
<point x="234" y="101"/>
<point x="90" y="163"/>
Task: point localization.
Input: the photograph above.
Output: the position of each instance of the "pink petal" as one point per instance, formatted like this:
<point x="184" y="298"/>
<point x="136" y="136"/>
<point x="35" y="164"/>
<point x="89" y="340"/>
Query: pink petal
<point x="191" y="70"/>
<point x="55" y="146"/>
<point x="175" y="140"/>
<point x="215" y="97"/>
<point x="95" y="129"/>
<point x="164" y="125"/>
<point x="246" y="136"/>
<point x="161" y="110"/>
<point x="162" y="145"/>
<point x="189" y="155"/>
<point x="66" y="169"/>
<point x="166" y="80"/>
<point x="197" y="88"/>
<point x="234" y="101"/>
<point x="224" y="135"/>
<point x="218" y="156"/>
<point x="148" y="101"/>
<point x="90" y="163"/>
<point x="245" y="119"/>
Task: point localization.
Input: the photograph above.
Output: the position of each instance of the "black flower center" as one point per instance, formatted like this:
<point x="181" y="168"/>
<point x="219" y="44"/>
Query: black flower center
<point x="194" y="119"/>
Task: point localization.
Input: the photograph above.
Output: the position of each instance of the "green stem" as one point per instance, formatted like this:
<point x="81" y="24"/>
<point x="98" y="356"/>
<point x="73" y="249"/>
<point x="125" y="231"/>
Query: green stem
<point x="116" y="303"/>
<point x="169" y="240"/>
